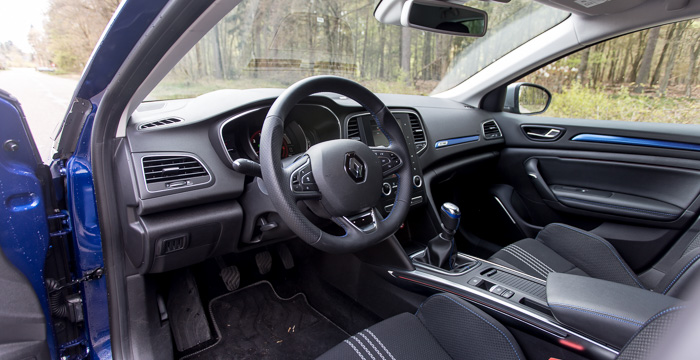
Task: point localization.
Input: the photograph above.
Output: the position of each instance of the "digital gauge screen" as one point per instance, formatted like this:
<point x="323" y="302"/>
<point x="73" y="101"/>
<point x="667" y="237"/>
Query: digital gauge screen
<point x="255" y="144"/>
<point x="377" y="135"/>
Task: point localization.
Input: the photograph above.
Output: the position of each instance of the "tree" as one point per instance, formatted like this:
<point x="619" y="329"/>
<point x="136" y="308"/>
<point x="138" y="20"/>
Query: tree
<point x="645" y="66"/>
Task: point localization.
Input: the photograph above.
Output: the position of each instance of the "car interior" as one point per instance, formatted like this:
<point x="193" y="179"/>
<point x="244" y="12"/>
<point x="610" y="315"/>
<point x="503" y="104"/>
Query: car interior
<point x="276" y="223"/>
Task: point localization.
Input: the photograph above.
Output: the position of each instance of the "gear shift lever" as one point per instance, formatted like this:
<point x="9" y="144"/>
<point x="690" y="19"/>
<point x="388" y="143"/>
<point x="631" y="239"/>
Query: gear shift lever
<point x="441" y="248"/>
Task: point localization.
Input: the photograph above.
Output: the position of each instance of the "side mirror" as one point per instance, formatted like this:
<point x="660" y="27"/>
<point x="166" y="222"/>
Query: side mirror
<point x="526" y="98"/>
<point x="443" y="17"/>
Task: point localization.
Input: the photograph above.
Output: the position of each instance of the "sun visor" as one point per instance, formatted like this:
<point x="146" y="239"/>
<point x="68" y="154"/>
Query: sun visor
<point x="593" y="7"/>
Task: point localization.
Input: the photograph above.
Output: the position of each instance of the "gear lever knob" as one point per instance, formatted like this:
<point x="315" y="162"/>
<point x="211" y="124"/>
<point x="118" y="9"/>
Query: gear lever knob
<point x="449" y="216"/>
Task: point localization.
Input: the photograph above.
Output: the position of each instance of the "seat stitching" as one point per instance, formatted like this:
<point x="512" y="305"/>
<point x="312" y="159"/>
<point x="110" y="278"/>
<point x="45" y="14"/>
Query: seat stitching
<point x="526" y="261"/>
<point x="518" y="257"/>
<point x="618" y="206"/>
<point x="595" y="312"/>
<point x="535" y="259"/>
<point x="612" y="251"/>
<point x="477" y="315"/>
<point x="354" y="348"/>
<point x="372" y="345"/>
<point x="363" y="347"/>
<point x="681" y="273"/>
<point x="649" y="321"/>
<point x="546" y="269"/>
<point x="380" y="344"/>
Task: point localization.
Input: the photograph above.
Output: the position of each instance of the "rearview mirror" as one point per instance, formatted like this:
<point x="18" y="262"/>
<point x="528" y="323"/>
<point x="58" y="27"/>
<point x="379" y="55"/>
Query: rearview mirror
<point x="443" y="17"/>
<point x="526" y="98"/>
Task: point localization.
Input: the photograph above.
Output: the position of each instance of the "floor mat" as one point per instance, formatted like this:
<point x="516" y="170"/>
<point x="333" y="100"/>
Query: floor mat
<point x="255" y="323"/>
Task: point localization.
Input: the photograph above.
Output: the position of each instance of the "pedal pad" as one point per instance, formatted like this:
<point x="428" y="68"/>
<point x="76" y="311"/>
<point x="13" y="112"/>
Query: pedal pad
<point x="231" y="277"/>
<point x="264" y="262"/>
<point x="286" y="256"/>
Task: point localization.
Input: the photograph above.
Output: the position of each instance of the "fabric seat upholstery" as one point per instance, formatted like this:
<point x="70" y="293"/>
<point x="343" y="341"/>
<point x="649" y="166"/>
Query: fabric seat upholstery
<point x="447" y="327"/>
<point x="566" y="249"/>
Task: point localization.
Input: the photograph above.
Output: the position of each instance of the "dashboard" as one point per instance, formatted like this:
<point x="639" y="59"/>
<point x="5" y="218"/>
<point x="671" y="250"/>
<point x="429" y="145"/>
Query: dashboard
<point x="183" y="202"/>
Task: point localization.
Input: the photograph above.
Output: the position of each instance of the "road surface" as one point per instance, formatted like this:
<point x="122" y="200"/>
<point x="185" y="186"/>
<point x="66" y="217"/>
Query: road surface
<point x="44" y="99"/>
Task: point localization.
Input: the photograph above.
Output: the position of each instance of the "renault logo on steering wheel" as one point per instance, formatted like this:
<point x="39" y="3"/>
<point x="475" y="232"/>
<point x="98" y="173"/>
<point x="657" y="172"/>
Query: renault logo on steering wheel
<point x="355" y="167"/>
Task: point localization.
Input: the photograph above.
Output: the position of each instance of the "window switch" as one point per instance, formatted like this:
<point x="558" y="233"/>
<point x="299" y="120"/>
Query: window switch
<point x="497" y="289"/>
<point x="508" y="294"/>
<point x="475" y="281"/>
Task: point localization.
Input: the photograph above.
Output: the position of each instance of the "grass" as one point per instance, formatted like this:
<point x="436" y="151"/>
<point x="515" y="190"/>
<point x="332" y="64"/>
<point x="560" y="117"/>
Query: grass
<point x="583" y="102"/>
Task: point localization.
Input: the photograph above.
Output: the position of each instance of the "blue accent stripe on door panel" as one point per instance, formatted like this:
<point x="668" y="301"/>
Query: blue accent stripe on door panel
<point x="621" y="140"/>
<point x="455" y="141"/>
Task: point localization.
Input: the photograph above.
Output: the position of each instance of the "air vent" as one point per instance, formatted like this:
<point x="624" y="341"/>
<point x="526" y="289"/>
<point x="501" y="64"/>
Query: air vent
<point x="172" y="245"/>
<point x="159" y="123"/>
<point x="418" y="132"/>
<point x="353" y="129"/>
<point x="170" y="172"/>
<point x="491" y="130"/>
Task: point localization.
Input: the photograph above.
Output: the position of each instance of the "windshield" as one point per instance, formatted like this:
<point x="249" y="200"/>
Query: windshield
<point x="272" y="44"/>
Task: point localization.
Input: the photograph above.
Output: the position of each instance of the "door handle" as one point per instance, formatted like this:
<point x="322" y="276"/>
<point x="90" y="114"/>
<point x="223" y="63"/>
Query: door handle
<point x="542" y="133"/>
<point x="540" y="185"/>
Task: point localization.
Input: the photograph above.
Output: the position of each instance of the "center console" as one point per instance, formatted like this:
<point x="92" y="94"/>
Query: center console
<point x="514" y="298"/>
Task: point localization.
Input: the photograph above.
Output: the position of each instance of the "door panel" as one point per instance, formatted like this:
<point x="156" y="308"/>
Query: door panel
<point x="23" y="241"/>
<point x="639" y="195"/>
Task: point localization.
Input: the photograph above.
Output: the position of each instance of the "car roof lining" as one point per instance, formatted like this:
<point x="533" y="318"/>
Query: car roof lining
<point x="593" y="7"/>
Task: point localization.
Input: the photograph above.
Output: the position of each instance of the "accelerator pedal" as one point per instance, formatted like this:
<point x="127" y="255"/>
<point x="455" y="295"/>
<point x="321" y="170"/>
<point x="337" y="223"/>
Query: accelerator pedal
<point x="264" y="262"/>
<point x="286" y="256"/>
<point x="230" y="275"/>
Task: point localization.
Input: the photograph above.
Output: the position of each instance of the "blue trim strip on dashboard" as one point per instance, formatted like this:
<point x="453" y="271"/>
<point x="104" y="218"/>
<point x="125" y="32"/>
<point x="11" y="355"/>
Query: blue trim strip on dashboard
<point x="621" y="140"/>
<point x="455" y="141"/>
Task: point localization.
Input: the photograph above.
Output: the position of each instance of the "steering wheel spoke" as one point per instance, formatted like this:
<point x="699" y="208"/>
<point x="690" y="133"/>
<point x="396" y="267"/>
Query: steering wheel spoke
<point x="301" y="180"/>
<point x="365" y="222"/>
<point x="389" y="160"/>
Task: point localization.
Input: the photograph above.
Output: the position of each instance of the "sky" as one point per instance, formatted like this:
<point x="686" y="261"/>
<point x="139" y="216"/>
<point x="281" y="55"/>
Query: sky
<point x="17" y="17"/>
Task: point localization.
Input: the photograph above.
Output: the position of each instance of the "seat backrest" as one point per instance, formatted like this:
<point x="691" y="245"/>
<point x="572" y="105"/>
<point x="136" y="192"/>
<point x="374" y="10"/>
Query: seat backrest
<point x="682" y="272"/>
<point x="651" y="335"/>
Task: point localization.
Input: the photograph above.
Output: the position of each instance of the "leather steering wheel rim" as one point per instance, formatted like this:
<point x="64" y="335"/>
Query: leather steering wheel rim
<point x="276" y="176"/>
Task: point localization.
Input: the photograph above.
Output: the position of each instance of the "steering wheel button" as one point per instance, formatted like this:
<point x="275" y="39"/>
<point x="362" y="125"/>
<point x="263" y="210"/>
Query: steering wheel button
<point x="308" y="179"/>
<point x="296" y="187"/>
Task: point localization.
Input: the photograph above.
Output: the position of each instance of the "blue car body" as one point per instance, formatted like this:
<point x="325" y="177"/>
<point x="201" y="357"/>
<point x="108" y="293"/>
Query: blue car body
<point x="28" y="218"/>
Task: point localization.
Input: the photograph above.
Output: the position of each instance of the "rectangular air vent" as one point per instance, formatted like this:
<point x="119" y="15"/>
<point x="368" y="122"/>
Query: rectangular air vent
<point x="418" y="132"/>
<point x="159" y="123"/>
<point x="354" y="129"/>
<point x="491" y="130"/>
<point x="170" y="172"/>
<point x="172" y="245"/>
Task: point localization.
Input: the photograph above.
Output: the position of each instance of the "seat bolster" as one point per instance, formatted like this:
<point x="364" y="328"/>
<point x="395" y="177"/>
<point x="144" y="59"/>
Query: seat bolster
<point x="679" y="280"/>
<point x="466" y="332"/>
<point x="534" y="258"/>
<point x="397" y="338"/>
<point x="588" y="252"/>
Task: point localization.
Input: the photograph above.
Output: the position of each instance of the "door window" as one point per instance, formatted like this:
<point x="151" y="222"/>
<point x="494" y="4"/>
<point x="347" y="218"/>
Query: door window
<point x="650" y="75"/>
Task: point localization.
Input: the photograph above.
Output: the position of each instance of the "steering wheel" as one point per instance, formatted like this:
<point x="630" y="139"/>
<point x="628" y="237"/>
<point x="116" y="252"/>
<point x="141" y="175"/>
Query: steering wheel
<point x="341" y="179"/>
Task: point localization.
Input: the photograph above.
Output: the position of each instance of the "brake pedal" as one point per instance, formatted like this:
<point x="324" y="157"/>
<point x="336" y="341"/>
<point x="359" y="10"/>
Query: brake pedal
<point x="264" y="262"/>
<point x="286" y="256"/>
<point x="231" y="277"/>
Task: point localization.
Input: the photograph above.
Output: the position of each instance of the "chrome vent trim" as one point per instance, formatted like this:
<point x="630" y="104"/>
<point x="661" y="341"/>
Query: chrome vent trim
<point x="418" y="132"/>
<point x="157" y="123"/>
<point x="491" y="130"/>
<point x="353" y="129"/>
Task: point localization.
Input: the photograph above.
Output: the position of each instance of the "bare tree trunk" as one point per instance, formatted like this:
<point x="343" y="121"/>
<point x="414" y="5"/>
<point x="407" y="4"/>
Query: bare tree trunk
<point x="583" y="67"/>
<point x="219" y="65"/>
<point x="406" y="52"/>
<point x="645" y="67"/>
<point x="689" y="80"/>
<point x="657" y="71"/>
<point x="638" y="59"/>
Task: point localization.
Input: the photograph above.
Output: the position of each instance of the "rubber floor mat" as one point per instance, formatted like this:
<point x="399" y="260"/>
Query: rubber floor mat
<point x="255" y="323"/>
